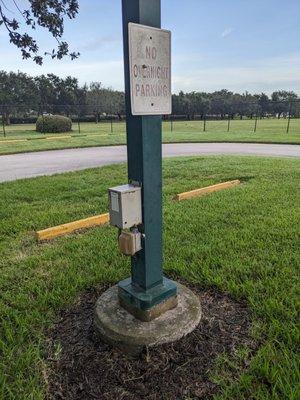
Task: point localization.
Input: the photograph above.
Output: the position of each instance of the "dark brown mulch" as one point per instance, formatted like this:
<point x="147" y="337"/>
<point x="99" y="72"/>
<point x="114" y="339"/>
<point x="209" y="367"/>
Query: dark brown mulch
<point x="82" y="367"/>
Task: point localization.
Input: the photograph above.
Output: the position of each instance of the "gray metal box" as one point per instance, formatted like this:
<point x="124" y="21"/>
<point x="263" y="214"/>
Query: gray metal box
<point x="125" y="206"/>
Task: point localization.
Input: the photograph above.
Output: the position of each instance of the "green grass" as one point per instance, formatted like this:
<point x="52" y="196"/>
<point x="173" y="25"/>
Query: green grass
<point x="244" y="240"/>
<point x="91" y="134"/>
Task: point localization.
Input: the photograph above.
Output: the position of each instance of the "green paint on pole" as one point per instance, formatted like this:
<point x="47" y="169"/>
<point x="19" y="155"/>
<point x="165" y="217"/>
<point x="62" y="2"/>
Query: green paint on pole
<point x="147" y="286"/>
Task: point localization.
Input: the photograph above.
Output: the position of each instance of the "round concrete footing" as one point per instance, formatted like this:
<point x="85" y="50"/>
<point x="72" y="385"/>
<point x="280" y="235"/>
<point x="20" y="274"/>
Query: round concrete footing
<point x="119" y="328"/>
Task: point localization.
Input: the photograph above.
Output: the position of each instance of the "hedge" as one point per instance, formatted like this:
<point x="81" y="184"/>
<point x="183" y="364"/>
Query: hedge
<point x="53" y="124"/>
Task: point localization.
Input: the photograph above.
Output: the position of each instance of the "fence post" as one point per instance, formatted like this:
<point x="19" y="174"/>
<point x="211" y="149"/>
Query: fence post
<point x="78" y="121"/>
<point x="43" y="118"/>
<point x="204" y="124"/>
<point x="111" y="124"/>
<point x="256" y="117"/>
<point x="228" y="125"/>
<point x="171" y="123"/>
<point x="3" y="126"/>
<point x="289" y="118"/>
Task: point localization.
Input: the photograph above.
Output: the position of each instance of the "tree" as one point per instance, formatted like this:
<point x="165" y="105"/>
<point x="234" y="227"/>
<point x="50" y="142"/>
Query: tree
<point x="49" y="14"/>
<point x="182" y="104"/>
<point x="16" y="89"/>
<point x="221" y="103"/>
<point x="177" y="102"/>
<point x="46" y="92"/>
<point x="104" y="101"/>
<point x="81" y="100"/>
<point x="282" y="101"/>
<point x="244" y="105"/>
<point x="57" y="95"/>
<point x="95" y="99"/>
<point x="198" y="104"/>
<point x="263" y="103"/>
<point x="117" y="103"/>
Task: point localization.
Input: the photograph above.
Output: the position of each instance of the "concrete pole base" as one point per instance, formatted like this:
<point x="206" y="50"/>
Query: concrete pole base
<point x="121" y="329"/>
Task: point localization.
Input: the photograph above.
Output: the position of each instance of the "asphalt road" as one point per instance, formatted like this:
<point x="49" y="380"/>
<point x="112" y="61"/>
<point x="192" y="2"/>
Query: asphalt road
<point x="28" y="165"/>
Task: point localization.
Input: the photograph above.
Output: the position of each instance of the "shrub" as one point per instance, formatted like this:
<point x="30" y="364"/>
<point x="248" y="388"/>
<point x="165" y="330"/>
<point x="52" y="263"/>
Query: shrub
<point x="53" y="124"/>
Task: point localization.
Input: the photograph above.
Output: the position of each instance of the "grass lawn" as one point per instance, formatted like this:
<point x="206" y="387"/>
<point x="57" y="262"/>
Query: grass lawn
<point x="244" y="241"/>
<point x="91" y="134"/>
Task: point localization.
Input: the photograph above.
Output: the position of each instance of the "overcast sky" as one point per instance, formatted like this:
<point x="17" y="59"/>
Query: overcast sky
<point x="235" y="44"/>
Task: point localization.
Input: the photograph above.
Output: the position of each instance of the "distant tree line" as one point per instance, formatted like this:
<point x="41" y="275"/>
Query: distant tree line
<point x="24" y="97"/>
<point x="225" y="104"/>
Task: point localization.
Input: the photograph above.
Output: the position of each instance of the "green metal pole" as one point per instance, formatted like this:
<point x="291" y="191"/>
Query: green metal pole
<point x="147" y="287"/>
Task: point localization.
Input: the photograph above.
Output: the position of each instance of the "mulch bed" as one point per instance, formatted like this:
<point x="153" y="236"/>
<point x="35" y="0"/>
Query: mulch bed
<point x="85" y="368"/>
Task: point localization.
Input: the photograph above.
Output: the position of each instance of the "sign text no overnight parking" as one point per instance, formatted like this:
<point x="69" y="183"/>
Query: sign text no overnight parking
<point x="150" y="70"/>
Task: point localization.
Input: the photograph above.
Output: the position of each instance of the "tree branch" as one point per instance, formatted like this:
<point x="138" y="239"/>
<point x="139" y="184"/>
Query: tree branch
<point x="49" y="14"/>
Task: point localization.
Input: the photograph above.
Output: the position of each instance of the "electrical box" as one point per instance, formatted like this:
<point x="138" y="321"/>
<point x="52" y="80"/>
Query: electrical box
<point x="130" y="242"/>
<point x="125" y="206"/>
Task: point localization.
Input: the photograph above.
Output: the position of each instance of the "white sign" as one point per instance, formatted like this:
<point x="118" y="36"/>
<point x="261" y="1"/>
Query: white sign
<point x="150" y="70"/>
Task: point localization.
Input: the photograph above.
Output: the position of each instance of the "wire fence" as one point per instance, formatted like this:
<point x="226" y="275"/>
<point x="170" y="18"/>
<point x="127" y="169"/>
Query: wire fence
<point x="249" y="118"/>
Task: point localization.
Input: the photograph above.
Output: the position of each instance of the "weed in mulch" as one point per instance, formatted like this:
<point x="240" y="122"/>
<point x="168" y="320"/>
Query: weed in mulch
<point x="82" y="367"/>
